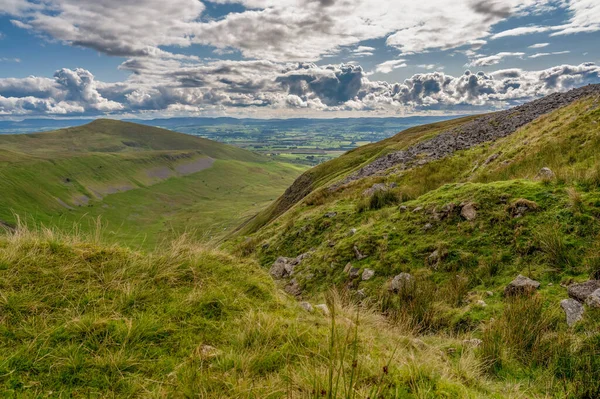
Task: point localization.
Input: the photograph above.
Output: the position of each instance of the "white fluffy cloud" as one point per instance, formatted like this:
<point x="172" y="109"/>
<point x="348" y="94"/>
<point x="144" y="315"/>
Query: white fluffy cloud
<point x="284" y="30"/>
<point x="263" y="86"/>
<point x="493" y="59"/>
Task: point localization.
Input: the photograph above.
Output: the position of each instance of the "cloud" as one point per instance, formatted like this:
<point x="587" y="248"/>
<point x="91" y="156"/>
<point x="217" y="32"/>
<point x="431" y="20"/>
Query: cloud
<point x="539" y="45"/>
<point x="265" y="88"/>
<point x="522" y="30"/>
<point x="114" y="27"/>
<point x="276" y="30"/>
<point x="537" y="55"/>
<point x="389" y="66"/>
<point x="70" y="91"/>
<point x="493" y="59"/>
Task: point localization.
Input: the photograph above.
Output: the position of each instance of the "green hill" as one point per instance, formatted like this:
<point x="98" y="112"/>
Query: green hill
<point x="144" y="183"/>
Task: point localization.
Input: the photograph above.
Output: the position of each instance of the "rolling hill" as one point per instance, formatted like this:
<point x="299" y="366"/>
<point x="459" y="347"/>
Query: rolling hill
<point x="144" y="183"/>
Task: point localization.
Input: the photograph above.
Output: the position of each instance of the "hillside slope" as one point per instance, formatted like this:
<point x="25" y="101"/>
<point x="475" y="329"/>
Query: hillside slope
<point x="142" y="181"/>
<point x="435" y="223"/>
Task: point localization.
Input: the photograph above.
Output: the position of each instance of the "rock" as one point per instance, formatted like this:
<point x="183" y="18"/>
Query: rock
<point x="393" y="185"/>
<point x="418" y="209"/>
<point x="545" y="174"/>
<point x="307" y="306"/>
<point x="468" y="211"/>
<point x="352" y="232"/>
<point x="367" y="274"/>
<point x="435" y="257"/>
<point x="521" y="206"/>
<point x="293" y="288"/>
<point x="281" y="268"/>
<point x="473" y="342"/>
<point x="347" y="267"/>
<point x="581" y="291"/>
<point x="403" y="208"/>
<point x="447" y="210"/>
<point x="483" y="129"/>
<point x="593" y="300"/>
<point x="324" y="309"/>
<point x="354" y="273"/>
<point x="361" y="294"/>
<point x="331" y="214"/>
<point x="331" y="243"/>
<point x="359" y="256"/>
<point x="573" y="310"/>
<point x="489" y="293"/>
<point x="428" y="227"/>
<point x="374" y="188"/>
<point x="521" y="286"/>
<point x="284" y="267"/>
<point x="401" y="281"/>
<point x="481" y="303"/>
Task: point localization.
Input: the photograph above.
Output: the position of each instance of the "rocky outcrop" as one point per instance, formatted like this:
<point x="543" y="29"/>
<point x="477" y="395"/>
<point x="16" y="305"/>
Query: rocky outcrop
<point x="593" y="300"/>
<point x="469" y="212"/>
<point x="521" y="286"/>
<point x="545" y="174"/>
<point x="367" y="274"/>
<point x="401" y="282"/>
<point x="284" y="267"/>
<point x="573" y="310"/>
<point x="581" y="291"/>
<point x="484" y="129"/>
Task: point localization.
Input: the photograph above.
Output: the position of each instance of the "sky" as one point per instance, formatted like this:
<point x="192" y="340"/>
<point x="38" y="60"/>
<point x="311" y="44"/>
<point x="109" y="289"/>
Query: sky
<point x="290" y="58"/>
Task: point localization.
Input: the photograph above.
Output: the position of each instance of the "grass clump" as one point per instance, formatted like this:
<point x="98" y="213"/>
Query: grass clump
<point x="378" y="200"/>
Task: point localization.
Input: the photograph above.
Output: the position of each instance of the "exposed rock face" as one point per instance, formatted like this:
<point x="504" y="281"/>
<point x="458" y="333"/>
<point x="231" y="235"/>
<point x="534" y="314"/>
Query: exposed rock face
<point x="521" y="286"/>
<point x="468" y="211"/>
<point x="582" y="291"/>
<point x="593" y="300"/>
<point x="284" y="267"/>
<point x="573" y="310"/>
<point x="483" y="129"/>
<point x="368" y="274"/>
<point x="545" y="174"/>
<point x="401" y="281"/>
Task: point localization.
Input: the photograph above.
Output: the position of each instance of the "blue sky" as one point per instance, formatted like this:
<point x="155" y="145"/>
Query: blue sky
<point x="289" y="58"/>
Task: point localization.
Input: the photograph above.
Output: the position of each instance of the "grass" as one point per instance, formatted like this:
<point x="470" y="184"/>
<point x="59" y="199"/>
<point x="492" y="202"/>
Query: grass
<point x="546" y="230"/>
<point x="82" y="318"/>
<point x="146" y="184"/>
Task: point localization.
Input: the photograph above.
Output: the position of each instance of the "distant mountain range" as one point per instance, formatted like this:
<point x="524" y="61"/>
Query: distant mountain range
<point x="39" y="125"/>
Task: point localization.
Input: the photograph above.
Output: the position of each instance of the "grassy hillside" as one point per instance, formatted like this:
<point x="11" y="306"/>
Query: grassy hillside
<point x="145" y="183"/>
<point x="79" y="318"/>
<point x="546" y="228"/>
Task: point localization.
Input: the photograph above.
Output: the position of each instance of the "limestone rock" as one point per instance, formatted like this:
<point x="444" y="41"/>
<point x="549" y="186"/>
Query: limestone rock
<point x="284" y="267"/>
<point x="354" y="273"/>
<point x="368" y="274"/>
<point x="521" y="286"/>
<point x="401" y="281"/>
<point x="293" y="288"/>
<point x="468" y="211"/>
<point x="573" y="310"/>
<point x="521" y="206"/>
<point x="545" y="174"/>
<point x="581" y="291"/>
<point x="593" y="300"/>
<point x="359" y="255"/>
